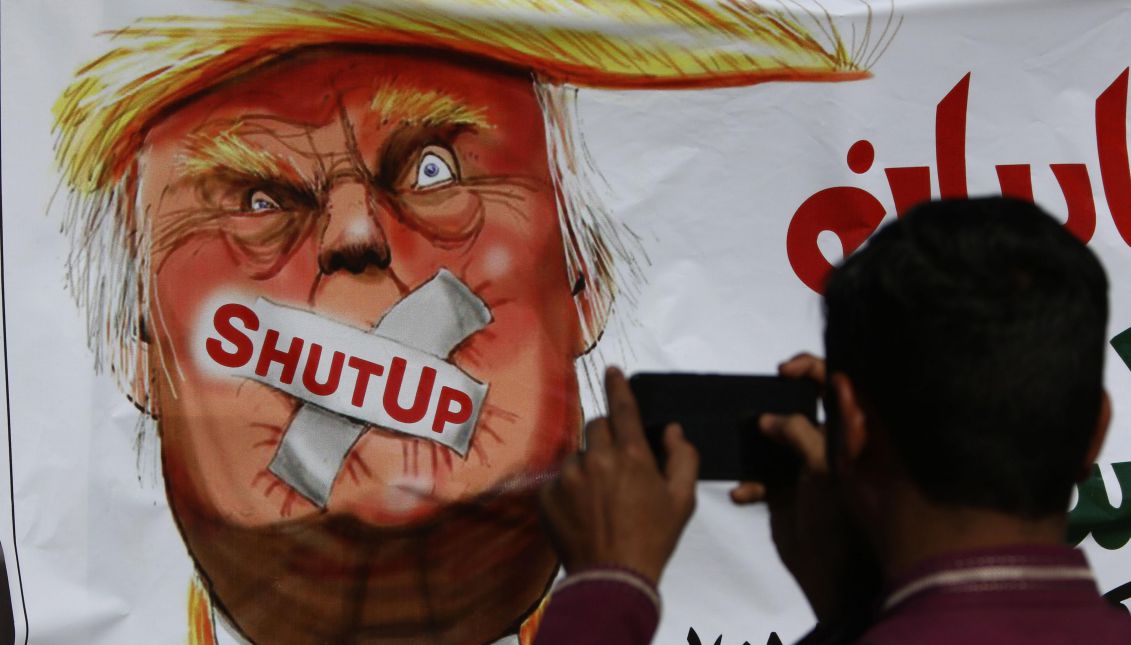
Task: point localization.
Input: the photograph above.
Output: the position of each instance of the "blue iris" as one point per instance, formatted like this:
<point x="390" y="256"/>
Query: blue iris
<point x="431" y="169"/>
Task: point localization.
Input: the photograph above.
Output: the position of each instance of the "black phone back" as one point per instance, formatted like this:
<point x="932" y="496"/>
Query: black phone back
<point x="719" y="414"/>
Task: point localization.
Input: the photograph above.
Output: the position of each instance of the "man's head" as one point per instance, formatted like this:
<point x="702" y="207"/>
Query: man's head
<point x="973" y="335"/>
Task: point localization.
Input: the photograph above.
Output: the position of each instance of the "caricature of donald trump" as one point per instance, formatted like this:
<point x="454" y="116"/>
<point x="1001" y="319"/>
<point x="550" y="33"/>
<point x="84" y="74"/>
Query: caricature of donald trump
<point x="304" y="207"/>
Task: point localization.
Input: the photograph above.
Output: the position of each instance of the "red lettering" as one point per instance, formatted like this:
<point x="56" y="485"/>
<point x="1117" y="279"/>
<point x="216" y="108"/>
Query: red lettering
<point x="222" y="322"/>
<point x="851" y="213"/>
<point x="444" y="412"/>
<point x="950" y="140"/>
<point x="910" y="186"/>
<point x="310" y="373"/>
<point x="860" y="156"/>
<point x="365" y="369"/>
<point x="393" y="392"/>
<point x="1016" y="180"/>
<point x="1115" y="167"/>
<point x="1077" y="189"/>
<point x="271" y="354"/>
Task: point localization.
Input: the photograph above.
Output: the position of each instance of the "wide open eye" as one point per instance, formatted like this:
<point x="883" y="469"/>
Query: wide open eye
<point x="435" y="168"/>
<point x="259" y="202"/>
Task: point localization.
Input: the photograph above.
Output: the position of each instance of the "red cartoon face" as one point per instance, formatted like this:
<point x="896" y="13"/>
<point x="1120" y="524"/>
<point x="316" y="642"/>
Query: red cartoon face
<point x="334" y="184"/>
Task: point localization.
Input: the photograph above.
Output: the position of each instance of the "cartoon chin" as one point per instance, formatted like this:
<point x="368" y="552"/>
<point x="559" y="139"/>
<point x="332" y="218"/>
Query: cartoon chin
<point x="468" y="576"/>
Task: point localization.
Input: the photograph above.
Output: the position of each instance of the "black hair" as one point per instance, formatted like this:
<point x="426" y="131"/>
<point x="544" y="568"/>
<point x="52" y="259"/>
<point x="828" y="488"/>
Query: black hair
<point x="974" y="333"/>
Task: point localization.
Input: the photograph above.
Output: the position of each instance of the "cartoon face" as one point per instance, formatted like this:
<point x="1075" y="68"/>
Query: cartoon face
<point x="337" y="182"/>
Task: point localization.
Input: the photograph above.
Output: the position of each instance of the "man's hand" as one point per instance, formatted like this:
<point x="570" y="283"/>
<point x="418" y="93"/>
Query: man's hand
<point x="611" y="505"/>
<point x="812" y="528"/>
<point x="807" y="440"/>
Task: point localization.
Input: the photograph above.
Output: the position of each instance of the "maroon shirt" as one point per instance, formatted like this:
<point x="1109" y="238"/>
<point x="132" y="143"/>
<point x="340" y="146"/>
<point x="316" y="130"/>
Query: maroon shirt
<point x="1020" y="595"/>
<point x="598" y="606"/>
<point x="1032" y="595"/>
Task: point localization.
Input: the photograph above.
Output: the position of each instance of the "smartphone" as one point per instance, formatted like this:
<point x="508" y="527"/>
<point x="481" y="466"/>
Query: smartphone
<point x="719" y="415"/>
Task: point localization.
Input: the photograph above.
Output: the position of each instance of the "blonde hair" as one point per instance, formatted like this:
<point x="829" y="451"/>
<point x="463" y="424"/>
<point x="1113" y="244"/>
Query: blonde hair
<point x="101" y="119"/>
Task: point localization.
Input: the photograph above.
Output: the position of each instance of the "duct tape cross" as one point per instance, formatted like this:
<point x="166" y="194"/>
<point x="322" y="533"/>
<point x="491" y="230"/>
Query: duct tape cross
<point x="434" y="319"/>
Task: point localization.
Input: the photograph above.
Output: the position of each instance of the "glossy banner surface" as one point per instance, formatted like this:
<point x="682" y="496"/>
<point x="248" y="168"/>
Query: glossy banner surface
<point x="302" y="300"/>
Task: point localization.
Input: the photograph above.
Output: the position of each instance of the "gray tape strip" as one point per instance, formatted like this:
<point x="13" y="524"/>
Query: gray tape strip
<point x="434" y="318"/>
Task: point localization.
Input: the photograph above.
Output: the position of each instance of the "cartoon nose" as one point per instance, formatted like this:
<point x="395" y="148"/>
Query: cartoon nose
<point x="353" y="238"/>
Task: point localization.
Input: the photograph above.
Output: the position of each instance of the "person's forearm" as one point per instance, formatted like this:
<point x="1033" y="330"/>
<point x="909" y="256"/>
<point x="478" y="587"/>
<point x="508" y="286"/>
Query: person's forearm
<point x="599" y="606"/>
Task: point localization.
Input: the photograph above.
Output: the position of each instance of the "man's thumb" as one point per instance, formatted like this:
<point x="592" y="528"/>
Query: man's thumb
<point x="682" y="468"/>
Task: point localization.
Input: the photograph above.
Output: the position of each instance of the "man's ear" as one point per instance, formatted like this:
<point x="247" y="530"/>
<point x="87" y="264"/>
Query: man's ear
<point x="1098" y="436"/>
<point x="593" y="301"/>
<point x="140" y="383"/>
<point x="853" y="426"/>
<point x="138" y="347"/>
<point x="589" y="323"/>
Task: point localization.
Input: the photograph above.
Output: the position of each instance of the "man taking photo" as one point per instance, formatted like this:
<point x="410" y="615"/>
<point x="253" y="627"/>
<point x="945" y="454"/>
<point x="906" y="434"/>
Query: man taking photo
<point x="964" y="396"/>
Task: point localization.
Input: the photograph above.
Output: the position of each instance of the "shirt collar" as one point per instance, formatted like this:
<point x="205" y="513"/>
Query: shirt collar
<point x="1014" y="567"/>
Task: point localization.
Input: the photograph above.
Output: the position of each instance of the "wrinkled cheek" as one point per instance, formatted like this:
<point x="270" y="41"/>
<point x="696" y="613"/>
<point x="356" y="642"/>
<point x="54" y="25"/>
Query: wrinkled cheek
<point x="216" y="443"/>
<point x="217" y="434"/>
<point x="506" y="250"/>
<point x="532" y="411"/>
<point x="497" y="262"/>
<point x="447" y="218"/>
<point x="529" y="297"/>
<point x="204" y="271"/>
<point x="530" y="348"/>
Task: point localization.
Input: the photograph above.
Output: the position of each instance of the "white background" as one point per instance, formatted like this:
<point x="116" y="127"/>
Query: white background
<point x="708" y="179"/>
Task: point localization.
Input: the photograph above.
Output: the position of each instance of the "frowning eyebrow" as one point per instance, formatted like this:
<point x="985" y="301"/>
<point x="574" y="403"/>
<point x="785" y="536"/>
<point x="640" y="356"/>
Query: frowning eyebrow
<point x="225" y="151"/>
<point x="430" y="108"/>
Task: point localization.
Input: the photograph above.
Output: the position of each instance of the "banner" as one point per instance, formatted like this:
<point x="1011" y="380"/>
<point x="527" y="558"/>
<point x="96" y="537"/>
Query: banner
<point x="302" y="300"/>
